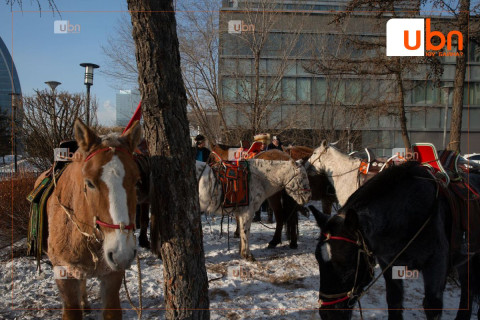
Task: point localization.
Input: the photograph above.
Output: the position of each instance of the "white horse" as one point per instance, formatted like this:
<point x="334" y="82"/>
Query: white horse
<point x="342" y="170"/>
<point x="267" y="177"/>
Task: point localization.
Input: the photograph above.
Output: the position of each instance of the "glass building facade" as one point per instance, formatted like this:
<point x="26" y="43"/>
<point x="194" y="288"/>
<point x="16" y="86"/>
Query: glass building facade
<point x="9" y="82"/>
<point x="287" y="83"/>
<point x="126" y="104"/>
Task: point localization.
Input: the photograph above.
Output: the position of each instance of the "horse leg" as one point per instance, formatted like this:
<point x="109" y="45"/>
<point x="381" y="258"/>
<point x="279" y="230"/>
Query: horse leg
<point x="394" y="289"/>
<point x="144" y="220"/>
<point x="70" y="292"/>
<point x="466" y="297"/>
<point x="290" y="216"/>
<point x="244" y="221"/>
<point x="434" y="280"/>
<point x="292" y="229"/>
<point x="83" y="289"/>
<point x="275" y="203"/>
<point x="109" y="293"/>
<point x="236" y="234"/>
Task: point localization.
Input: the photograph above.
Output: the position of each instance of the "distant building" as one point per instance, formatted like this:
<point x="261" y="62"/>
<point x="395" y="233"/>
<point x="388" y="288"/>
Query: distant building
<point x="9" y="83"/>
<point x="293" y="92"/>
<point x="126" y="104"/>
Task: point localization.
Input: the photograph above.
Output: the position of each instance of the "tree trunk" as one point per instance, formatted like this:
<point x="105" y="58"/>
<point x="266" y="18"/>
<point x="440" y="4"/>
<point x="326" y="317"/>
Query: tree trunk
<point x="401" y="116"/>
<point x="460" y="68"/>
<point x="176" y="226"/>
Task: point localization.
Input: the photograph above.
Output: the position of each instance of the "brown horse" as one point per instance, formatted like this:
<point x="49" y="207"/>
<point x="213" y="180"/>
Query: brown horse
<point x="90" y="219"/>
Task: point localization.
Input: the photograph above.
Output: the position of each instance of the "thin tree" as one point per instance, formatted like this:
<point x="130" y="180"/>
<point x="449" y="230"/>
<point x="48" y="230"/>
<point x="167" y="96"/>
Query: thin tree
<point x="176" y="226"/>
<point x="48" y="119"/>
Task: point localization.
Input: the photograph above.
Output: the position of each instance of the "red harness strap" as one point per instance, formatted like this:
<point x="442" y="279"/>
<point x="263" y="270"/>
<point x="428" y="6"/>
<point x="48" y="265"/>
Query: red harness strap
<point x="328" y="237"/>
<point x="329" y="303"/>
<point x="120" y="226"/>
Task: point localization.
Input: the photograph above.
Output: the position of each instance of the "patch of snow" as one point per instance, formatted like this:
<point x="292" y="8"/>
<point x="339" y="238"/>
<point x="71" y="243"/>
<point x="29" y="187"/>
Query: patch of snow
<point x="282" y="283"/>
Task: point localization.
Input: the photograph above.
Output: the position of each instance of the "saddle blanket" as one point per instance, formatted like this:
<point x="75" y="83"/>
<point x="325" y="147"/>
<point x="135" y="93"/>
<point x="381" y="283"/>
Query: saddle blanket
<point x="233" y="177"/>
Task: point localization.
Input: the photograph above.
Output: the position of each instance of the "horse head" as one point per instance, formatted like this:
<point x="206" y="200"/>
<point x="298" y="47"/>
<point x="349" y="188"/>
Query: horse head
<point x="298" y="186"/>
<point x="315" y="165"/>
<point x="346" y="265"/>
<point x="108" y="177"/>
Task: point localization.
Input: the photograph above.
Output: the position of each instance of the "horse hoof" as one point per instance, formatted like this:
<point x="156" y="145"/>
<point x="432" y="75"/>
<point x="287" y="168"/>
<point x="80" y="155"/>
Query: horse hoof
<point x="293" y="246"/>
<point x="272" y="245"/>
<point x="144" y="243"/>
<point x="250" y="258"/>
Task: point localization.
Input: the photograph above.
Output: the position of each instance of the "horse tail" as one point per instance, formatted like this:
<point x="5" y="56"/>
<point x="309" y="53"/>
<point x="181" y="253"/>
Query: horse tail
<point x="289" y="215"/>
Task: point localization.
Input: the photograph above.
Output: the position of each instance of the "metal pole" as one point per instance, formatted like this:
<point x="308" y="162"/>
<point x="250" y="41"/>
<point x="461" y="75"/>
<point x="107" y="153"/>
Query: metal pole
<point x="88" y="106"/>
<point x="15" y="136"/>
<point x="445" y="119"/>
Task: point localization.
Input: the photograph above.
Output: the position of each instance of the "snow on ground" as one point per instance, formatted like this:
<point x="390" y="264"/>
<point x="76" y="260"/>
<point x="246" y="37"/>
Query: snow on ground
<point x="282" y="283"/>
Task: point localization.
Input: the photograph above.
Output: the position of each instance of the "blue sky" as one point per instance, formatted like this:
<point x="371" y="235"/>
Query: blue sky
<point x="41" y="55"/>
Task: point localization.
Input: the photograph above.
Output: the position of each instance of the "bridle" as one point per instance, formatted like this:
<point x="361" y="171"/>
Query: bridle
<point x="97" y="222"/>
<point x="352" y="294"/>
<point x="290" y="181"/>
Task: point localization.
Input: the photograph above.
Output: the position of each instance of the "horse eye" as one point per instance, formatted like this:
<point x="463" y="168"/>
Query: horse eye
<point x="89" y="184"/>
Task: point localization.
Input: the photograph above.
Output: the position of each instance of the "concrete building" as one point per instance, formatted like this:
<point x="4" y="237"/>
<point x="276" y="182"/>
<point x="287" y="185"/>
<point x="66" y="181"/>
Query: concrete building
<point x="126" y="104"/>
<point x="301" y="32"/>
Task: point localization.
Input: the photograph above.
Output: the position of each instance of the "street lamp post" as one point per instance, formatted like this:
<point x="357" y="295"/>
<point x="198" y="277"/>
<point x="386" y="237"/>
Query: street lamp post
<point x="53" y="85"/>
<point x="446" y="87"/>
<point x="14" y="127"/>
<point x="88" y="81"/>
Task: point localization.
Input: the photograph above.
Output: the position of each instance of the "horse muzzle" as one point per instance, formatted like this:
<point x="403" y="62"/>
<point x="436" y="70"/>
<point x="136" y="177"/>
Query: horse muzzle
<point x="119" y="249"/>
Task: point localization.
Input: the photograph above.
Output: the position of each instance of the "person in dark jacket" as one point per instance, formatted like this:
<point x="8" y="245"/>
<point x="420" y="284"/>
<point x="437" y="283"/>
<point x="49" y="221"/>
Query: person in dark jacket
<point x="275" y="144"/>
<point x="202" y="152"/>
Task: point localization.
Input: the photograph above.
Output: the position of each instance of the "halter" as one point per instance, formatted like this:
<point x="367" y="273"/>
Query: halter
<point x="351" y="294"/>
<point x="97" y="222"/>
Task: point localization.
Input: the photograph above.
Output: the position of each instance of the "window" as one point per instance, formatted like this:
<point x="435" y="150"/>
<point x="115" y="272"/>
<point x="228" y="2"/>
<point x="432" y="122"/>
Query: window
<point x="244" y="89"/>
<point x="425" y="93"/>
<point x="319" y="90"/>
<point x="289" y="89"/>
<point x="353" y="91"/>
<point x="229" y="89"/>
<point x="303" y="89"/>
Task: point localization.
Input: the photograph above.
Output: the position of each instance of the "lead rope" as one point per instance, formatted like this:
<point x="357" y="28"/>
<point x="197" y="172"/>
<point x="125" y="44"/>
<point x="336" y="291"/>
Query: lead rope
<point x="138" y="309"/>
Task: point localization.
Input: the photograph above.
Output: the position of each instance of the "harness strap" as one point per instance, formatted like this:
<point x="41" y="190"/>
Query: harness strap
<point x="120" y="226"/>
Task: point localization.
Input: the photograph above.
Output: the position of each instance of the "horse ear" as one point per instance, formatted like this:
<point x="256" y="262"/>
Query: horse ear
<point x="324" y="143"/>
<point x="299" y="163"/>
<point x="133" y="136"/>
<point x="86" y="138"/>
<point x="321" y="217"/>
<point x="351" y="220"/>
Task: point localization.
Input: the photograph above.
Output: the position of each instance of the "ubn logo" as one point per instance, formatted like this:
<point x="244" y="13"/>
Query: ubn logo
<point x="411" y="37"/>
<point x="64" y="26"/>
<point x="237" y="26"/>
<point x="402" y="272"/>
<point x="63" y="154"/>
<point x="239" y="273"/>
<point x="61" y="272"/>
<point x="235" y="154"/>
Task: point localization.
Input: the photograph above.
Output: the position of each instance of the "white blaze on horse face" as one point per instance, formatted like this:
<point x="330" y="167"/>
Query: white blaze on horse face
<point x="120" y="245"/>
<point x="326" y="252"/>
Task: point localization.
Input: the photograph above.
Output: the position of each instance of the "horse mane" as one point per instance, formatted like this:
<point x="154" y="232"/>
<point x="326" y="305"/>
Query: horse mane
<point x="383" y="181"/>
<point x="224" y="146"/>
